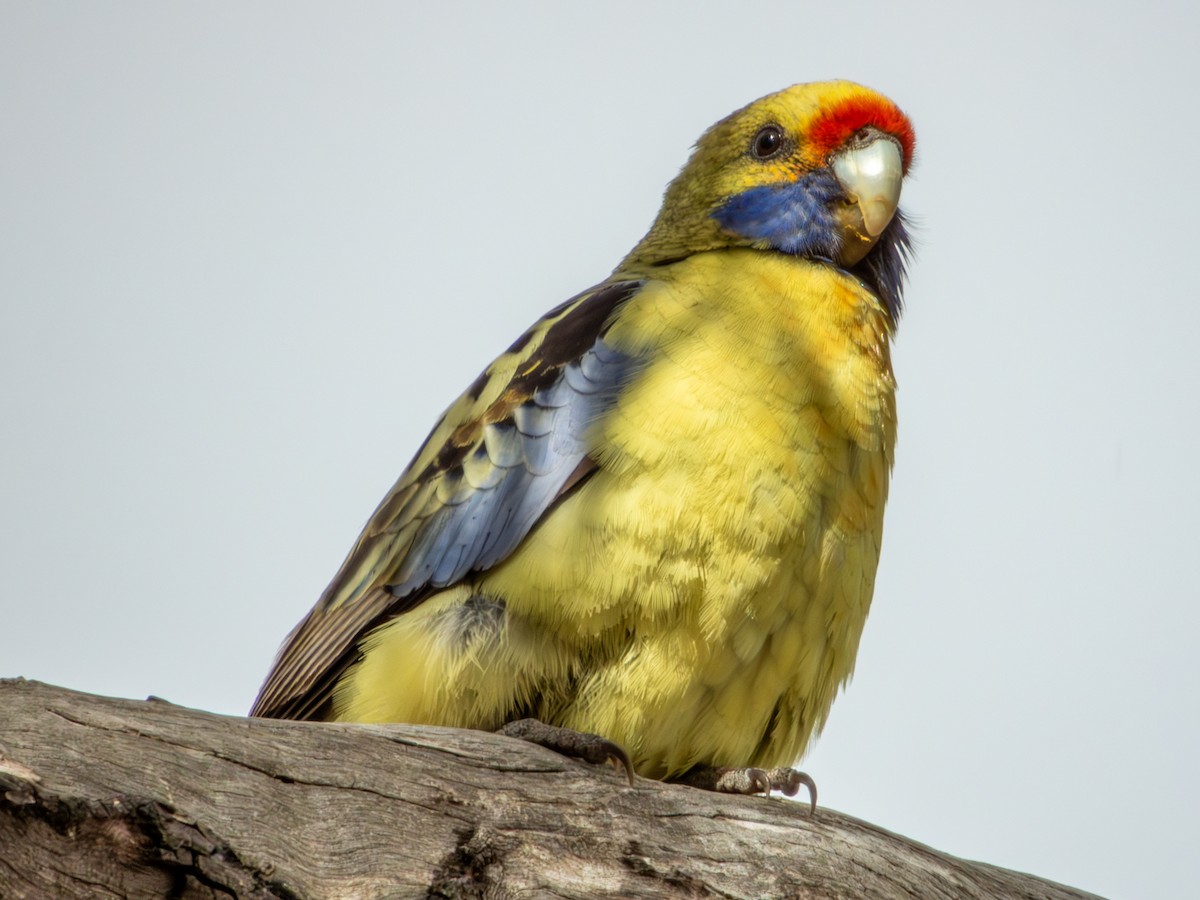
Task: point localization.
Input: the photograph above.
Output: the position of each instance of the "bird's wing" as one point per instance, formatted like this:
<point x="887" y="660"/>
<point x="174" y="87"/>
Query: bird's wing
<point x="498" y="460"/>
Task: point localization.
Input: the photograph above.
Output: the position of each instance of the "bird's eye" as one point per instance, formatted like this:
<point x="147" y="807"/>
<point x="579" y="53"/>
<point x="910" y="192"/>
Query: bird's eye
<point x="768" y="142"/>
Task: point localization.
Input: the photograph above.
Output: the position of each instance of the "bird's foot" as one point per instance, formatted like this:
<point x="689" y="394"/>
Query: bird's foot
<point x="750" y="780"/>
<point x="583" y="745"/>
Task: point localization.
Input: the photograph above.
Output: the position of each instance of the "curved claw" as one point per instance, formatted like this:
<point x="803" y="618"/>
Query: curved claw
<point x="751" y="780"/>
<point x="789" y="781"/>
<point x="620" y="759"/>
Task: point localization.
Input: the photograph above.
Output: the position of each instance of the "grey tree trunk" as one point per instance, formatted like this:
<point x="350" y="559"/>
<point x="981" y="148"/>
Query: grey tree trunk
<point x="120" y="798"/>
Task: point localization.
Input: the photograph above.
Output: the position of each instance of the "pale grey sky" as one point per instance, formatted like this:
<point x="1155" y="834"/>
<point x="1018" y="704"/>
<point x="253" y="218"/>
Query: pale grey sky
<point x="249" y="252"/>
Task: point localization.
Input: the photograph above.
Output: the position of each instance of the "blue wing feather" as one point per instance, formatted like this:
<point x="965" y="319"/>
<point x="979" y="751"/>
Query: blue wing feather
<point x="499" y="459"/>
<point x="479" y="520"/>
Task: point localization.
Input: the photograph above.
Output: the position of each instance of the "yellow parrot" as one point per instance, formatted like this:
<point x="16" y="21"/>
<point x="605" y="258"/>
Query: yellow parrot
<point x="652" y="525"/>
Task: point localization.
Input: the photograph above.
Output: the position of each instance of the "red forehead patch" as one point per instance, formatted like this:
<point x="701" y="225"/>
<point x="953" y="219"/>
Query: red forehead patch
<point x="832" y="127"/>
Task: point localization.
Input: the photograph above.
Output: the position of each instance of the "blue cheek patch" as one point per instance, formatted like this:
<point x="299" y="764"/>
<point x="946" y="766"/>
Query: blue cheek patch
<point x="792" y="218"/>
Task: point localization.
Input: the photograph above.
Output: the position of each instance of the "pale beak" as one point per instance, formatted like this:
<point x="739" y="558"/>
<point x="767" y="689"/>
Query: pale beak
<point x="871" y="177"/>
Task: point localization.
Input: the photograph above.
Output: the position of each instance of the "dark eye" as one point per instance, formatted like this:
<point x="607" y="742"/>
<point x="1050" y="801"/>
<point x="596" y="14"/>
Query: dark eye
<point x="768" y="142"/>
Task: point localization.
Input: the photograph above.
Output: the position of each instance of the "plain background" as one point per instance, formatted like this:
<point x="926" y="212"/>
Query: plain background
<point x="249" y="252"/>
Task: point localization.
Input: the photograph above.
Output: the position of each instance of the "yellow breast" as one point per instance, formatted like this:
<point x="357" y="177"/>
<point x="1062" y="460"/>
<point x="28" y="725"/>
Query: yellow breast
<point x="704" y="593"/>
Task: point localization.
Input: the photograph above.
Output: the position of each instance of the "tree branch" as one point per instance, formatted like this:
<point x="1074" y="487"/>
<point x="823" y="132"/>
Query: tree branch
<point x="102" y="797"/>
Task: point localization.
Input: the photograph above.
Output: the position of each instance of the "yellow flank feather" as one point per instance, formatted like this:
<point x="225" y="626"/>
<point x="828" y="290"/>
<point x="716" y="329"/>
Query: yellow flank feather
<point x="690" y="463"/>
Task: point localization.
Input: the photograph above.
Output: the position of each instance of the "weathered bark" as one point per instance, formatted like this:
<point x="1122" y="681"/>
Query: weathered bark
<point x="122" y="798"/>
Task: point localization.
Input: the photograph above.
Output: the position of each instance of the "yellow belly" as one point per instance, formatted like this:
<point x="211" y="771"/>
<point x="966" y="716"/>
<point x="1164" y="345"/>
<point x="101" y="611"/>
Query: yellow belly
<point x="700" y="599"/>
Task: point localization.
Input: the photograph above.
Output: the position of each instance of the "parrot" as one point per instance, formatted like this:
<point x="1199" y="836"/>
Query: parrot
<point x="648" y="532"/>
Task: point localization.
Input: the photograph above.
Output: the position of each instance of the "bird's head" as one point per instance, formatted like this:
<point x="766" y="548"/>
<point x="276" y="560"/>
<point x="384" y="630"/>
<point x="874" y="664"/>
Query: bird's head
<point x="814" y="170"/>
